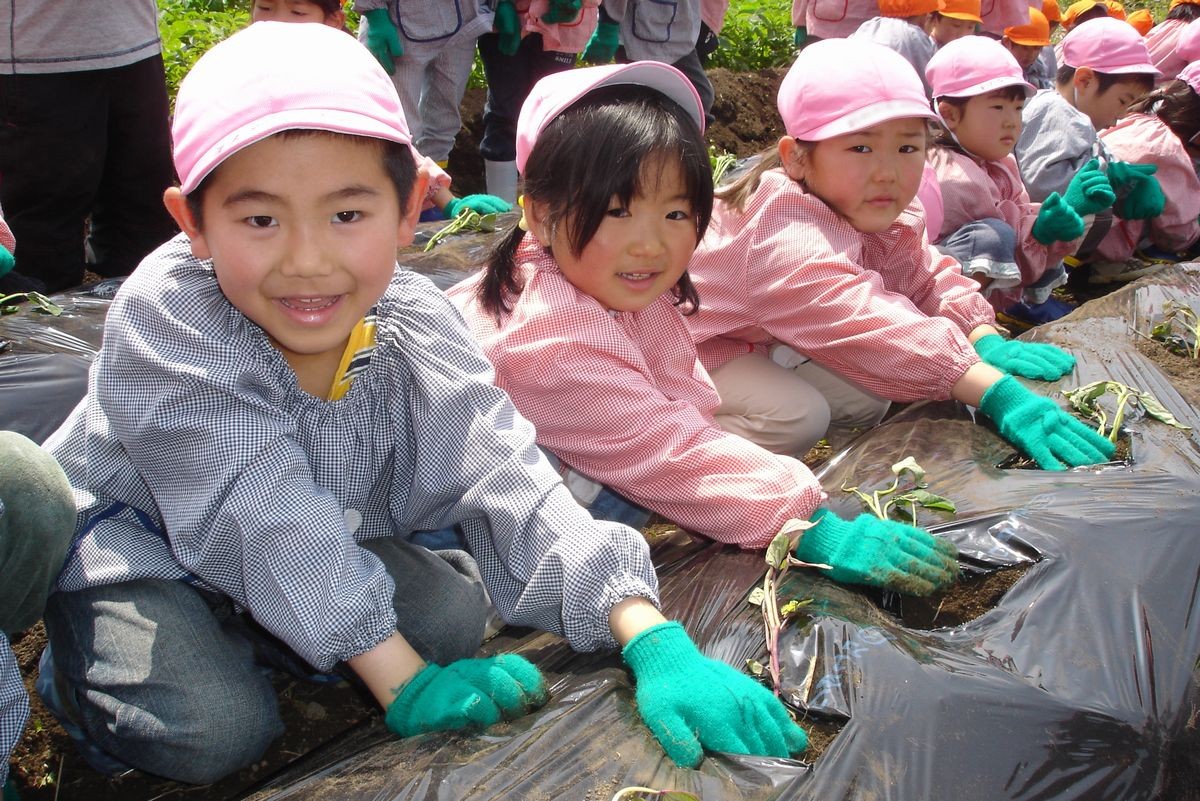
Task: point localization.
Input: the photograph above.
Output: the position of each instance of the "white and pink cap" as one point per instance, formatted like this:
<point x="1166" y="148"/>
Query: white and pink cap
<point x="277" y="76"/>
<point x="1191" y="76"/>
<point x="838" y="86"/>
<point x="1107" y="45"/>
<point x="974" y="65"/>
<point x="555" y="93"/>
<point x="1187" y="46"/>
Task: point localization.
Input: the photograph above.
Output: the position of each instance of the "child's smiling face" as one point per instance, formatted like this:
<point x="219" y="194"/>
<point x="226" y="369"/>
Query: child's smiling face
<point x="303" y="232"/>
<point x="868" y="177"/>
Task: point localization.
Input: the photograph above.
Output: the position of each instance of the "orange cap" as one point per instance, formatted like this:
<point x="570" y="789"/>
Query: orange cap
<point x="1181" y="2"/>
<point x="908" y="8"/>
<point x="962" y="9"/>
<point x="1114" y="9"/>
<point x="1142" y="20"/>
<point x="1036" y="33"/>
<point x="1051" y="10"/>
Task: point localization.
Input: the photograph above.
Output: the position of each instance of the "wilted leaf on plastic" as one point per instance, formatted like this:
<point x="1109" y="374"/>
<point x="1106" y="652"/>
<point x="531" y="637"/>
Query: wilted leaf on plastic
<point x="931" y="501"/>
<point x="777" y="551"/>
<point x="650" y="794"/>
<point x="755" y="667"/>
<point x="1155" y="409"/>
<point x="756" y="596"/>
<point x="909" y="465"/>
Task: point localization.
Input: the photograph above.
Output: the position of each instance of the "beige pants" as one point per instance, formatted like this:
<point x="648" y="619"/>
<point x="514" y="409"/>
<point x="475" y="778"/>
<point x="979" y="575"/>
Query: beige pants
<point x="786" y="407"/>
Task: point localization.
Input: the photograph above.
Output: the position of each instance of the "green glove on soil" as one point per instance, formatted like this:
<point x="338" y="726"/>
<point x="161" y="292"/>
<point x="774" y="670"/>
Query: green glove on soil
<point x="1057" y="221"/>
<point x="881" y="553"/>
<point x="1141" y="195"/>
<point x="10" y="790"/>
<point x="561" y="11"/>
<point x="508" y="28"/>
<point x="481" y="204"/>
<point x="466" y="693"/>
<point x="1029" y="359"/>
<point x="602" y="47"/>
<point x="383" y="40"/>
<point x="1042" y="430"/>
<point x="7" y="262"/>
<point x="799" y="36"/>
<point x="693" y="704"/>
<point x="1089" y="191"/>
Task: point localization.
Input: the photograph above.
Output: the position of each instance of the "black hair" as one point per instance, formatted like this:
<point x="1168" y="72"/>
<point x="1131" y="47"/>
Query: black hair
<point x="397" y="160"/>
<point x="1106" y="80"/>
<point x="1176" y="104"/>
<point x="1184" y="11"/>
<point x="600" y="148"/>
<point x="942" y="135"/>
<point x="330" y="7"/>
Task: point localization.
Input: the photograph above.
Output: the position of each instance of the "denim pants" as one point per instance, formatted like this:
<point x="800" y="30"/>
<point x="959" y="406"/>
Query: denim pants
<point x="986" y="247"/>
<point x="170" y="679"/>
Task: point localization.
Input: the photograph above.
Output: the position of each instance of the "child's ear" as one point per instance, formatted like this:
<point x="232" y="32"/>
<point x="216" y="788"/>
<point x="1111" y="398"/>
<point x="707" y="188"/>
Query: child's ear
<point x="411" y="213"/>
<point x="950" y="113"/>
<point x="535" y="221"/>
<point x="793" y="157"/>
<point x="177" y="207"/>
<point x="1084" y="77"/>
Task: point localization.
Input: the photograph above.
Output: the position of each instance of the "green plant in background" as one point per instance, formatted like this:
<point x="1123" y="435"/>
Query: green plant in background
<point x="1175" y="312"/>
<point x="1086" y="401"/>
<point x="721" y="162"/>
<point x="190" y="27"/>
<point x="41" y="303"/>
<point x="766" y="597"/>
<point x="882" y="502"/>
<point x="757" y="35"/>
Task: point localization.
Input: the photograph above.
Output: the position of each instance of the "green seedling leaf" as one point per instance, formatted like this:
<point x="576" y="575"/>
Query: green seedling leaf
<point x="650" y="794"/>
<point x="909" y="465"/>
<point x="755" y="667"/>
<point x="778" y="550"/>
<point x="756" y="596"/>
<point x="931" y="501"/>
<point x="45" y="305"/>
<point x="41" y="303"/>
<point x="1155" y="409"/>
<point x="793" y="606"/>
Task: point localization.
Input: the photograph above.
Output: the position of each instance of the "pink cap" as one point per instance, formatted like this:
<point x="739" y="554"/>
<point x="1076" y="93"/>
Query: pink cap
<point x="277" y="76"/>
<point x="1187" y="46"/>
<point x="838" y="86"/>
<point x="1107" y="45"/>
<point x="974" y="65"/>
<point x="1191" y="76"/>
<point x="553" y="94"/>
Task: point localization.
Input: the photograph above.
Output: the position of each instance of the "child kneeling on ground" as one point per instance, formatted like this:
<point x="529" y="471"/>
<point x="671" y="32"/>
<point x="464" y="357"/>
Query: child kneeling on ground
<point x="276" y="409"/>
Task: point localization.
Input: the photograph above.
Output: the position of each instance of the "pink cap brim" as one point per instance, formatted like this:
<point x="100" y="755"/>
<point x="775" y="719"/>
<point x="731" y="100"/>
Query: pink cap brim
<point x="991" y="86"/>
<point x="865" y="117"/>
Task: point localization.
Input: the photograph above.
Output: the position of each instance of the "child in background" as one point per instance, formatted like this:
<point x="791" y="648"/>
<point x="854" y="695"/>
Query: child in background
<point x="1046" y="67"/>
<point x="903" y="26"/>
<point x="8" y="244"/>
<point x="1002" y="239"/>
<point x="1027" y="43"/>
<point x="957" y="18"/>
<point x="581" y="317"/>
<point x="1105" y="67"/>
<point x="818" y="255"/>
<point x="1141" y="20"/>
<point x="275" y="410"/>
<point x="1158" y="130"/>
<point x="1163" y="37"/>
<point x="1187" y="47"/>
<point x="37" y="518"/>
<point x="328" y="12"/>
<point x="815" y="20"/>
<point x="1083" y="11"/>
<point x="533" y="38"/>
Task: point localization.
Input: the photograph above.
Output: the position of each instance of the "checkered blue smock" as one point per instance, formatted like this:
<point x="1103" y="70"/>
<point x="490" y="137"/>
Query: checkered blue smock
<point x="197" y="457"/>
<point x="14" y="704"/>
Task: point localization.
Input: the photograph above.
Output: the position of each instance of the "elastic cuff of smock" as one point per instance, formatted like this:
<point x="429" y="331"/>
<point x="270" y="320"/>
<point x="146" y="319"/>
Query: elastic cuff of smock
<point x="1003" y="274"/>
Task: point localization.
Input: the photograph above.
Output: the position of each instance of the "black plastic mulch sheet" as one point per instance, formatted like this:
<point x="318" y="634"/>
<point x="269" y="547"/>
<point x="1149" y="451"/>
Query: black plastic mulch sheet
<point x="1078" y="683"/>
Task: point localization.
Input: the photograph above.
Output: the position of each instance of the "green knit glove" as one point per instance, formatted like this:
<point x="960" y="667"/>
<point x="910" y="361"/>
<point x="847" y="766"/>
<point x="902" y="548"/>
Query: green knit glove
<point x="508" y="28"/>
<point x="602" y="47"/>
<point x="1141" y="196"/>
<point x="1029" y="359"/>
<point x="693" y="704"/>
<point x="1089" y="191"/>
<point x="881" y="553"/>
<point x="1036" y="425"/>
<point x="481" y="204"/>
<point x="561" y="11"/>
<point x="10" y="790"/>
<point x="7" y="262"/>
<point x="1057" y="221"/>
<point x="466" y="693"/>
<point x="383" y="40"/>
<point x="800" y="35"/>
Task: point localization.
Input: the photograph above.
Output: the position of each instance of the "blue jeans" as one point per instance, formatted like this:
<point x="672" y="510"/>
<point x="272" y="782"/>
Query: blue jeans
<point x="600" y="501"/>
<point x="169" y="679"/>
<point x="985" y="247"/>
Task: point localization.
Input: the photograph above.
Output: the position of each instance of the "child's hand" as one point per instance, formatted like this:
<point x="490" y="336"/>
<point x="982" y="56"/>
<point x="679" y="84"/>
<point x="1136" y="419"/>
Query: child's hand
<point x="1057" y="221"/>
<point x="1029" y="359"/>
<point x="480" y="204"/>
<point x="602" y="47"/>
<point x="383" y="40"/>
<point x="561" y="11"/>
<point x="1090" y="190"/>
<point x="1042" y="430"/>
<point x="508" y="27"/>
<point x="7" y="262"/>
<point x="881" y="553"/>
<point x="693" y="704"/>
<point x="1141" y="195"/>
<point x="466" y="693"/>
<point x="799" y="36"/>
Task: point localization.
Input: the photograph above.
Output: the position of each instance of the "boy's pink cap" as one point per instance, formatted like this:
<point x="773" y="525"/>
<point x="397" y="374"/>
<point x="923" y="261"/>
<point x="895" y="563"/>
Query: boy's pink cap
<point x="277" y="76"/>
<point x="1191" y="76"/>
<point x="838" y="86"/>
<point x="1187" y="46"/>
<point x="1107" y="45"/>
<point x="555" y="93"/>
<point x="974" y="65"/>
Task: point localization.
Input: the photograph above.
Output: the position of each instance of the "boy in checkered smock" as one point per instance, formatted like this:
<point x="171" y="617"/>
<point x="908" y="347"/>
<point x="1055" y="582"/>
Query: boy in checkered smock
<point x="818" y="256"/>
<point x="274" y="412"/>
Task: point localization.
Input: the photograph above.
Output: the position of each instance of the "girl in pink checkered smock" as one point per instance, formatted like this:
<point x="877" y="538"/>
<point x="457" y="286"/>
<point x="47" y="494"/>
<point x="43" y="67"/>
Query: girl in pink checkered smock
<point x="582" y="309"/>
<point x="820" y="291"/>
